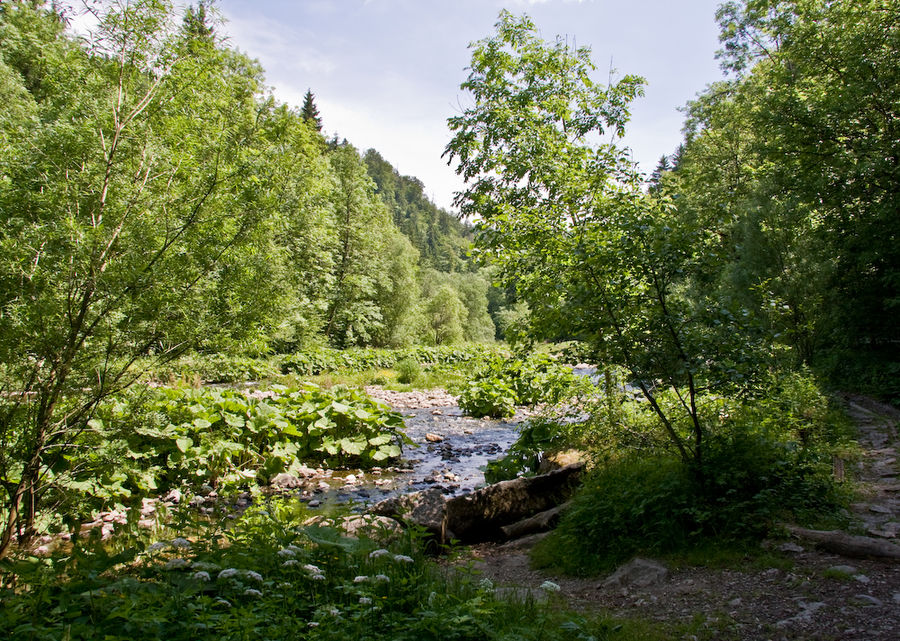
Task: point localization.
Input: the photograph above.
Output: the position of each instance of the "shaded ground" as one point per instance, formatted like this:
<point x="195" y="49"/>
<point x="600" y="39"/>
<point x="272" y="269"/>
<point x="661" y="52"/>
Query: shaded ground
<point x="809" y="595"/>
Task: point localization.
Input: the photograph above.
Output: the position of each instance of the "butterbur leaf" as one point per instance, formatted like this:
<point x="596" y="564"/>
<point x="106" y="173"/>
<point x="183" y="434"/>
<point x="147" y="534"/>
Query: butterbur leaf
<point x="381" y="439"/>
<point x="353" y="447"/>
<point x="340" y="408"/>
<point x="183" y="444"/>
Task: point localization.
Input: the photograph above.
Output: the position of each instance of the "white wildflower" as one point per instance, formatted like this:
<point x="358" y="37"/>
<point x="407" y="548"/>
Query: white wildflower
<point x="181" y="543"/>
<point x="383" y="578"/>
<point x="250" y="574"/>
<point x="402" y="558"/>
<point x="227" y="573"/>
<point x="334" y="612"/>
<point x="287" y="552"/>
<point x="284" y="585"/>
<point x="201" y="575"/>
<point x="486" y="584"/>
<point x="312" y="624"/>
<point x="222" y="601"/>
<point x="159" y="545"/>
<point x="205" y="565"/>
<point x="289" y="563"/>
<point x="312" y="569"/>
<point x="549" y="586"/>
<point x="177" y="564"/>
<point x="364" y="600"/>
<point x="293" y="548"/>
<point x="360" y="579"/>
<point x="252" y="592"/>
<point x="378" y="553"/>
<point x="318" y="577"/>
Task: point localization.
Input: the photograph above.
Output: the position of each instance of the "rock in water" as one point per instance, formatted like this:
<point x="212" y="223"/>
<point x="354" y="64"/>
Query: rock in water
<point x="425" y="509"/>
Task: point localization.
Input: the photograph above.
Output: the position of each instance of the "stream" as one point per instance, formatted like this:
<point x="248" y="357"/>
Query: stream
<point x="451" y="452"/>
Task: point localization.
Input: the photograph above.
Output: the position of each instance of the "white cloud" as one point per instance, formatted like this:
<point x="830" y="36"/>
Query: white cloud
<point x="278" y="45"/>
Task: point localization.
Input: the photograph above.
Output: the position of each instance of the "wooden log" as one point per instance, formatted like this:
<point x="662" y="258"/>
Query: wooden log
<point x="848" y="544"/>
<point x="540" y="522"/>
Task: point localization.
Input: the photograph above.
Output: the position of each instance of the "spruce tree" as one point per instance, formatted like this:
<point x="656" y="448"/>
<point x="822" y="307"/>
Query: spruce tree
<point x="310" y="112"/>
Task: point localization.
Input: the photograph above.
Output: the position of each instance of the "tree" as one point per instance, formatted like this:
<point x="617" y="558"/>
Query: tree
<point x="564" y="216"/>
<point x="361" y="223"/>
<point x="309" y="112"/>
<point x="444" y="312"/>
<point x="121" y="166"/>
<point x="795" y="159"/>
<point x="662" y="168"/>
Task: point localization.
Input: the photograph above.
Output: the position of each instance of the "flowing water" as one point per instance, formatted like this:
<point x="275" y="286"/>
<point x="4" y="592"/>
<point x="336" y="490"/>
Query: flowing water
<point x="454" y="458"/>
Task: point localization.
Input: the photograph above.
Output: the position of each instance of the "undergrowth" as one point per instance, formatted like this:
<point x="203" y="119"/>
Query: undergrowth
<point x="270" y="577"/>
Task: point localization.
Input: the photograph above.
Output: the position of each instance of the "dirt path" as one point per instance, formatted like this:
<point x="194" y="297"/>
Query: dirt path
<point x="810" y="595"/>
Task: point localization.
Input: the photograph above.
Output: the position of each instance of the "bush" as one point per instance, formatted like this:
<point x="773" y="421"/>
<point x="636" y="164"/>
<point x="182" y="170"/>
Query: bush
<point x="656" y="504"/>
<point x="408" y="371"/>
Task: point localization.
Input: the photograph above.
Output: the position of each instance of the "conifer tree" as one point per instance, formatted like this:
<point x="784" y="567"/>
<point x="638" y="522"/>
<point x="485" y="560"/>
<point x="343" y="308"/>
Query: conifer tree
<point x="310" y="112"/>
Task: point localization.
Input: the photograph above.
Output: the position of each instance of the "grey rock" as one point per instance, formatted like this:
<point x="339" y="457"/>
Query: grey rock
<point x="844" y="569"/>
<point x="287" y="481"/>
<point x="867" y="600"/>
<point x="805" y="615"/>
<point x="791" y="547"/>
<point x="426" y="509"/>
<point x="639" y="573"/>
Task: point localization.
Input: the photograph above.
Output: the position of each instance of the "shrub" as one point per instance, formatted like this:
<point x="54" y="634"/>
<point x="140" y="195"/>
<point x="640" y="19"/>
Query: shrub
<point x="408" y="371"/>
<point x="150" y="440"/>
<point x="656" y="504"/>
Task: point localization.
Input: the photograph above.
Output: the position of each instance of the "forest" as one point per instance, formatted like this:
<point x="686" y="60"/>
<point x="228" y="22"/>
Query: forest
<point x="201" y="292"/>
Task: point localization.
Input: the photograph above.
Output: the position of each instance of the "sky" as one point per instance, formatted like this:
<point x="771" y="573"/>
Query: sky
<point x="386" y="73"/>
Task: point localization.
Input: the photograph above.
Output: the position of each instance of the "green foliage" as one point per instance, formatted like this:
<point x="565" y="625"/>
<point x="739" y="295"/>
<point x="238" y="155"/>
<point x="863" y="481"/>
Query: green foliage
<point x="150" y="440"/>
<point x="540" y="436"/>
<point x="501" y="384"/>
<point x="269" y="577"/>
<point x="408" y="371"/>
<point x="313" y="362"/>
<point x="792" y="161"/>
<point x="564" y="217"/>
<point x="769" y="461"/>
<point x="441" y="240"/>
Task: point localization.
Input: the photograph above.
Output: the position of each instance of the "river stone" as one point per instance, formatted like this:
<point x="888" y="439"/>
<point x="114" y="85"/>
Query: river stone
<point x="480" y="515"/>
<point x="638" y="573"/>
<point x="286" y="481"/>
<point x="426" y="509"/>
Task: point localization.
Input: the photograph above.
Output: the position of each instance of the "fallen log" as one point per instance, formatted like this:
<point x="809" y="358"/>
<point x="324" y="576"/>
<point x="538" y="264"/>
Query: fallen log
<point x="540" y="522"/>
<point x="848" y="544"/>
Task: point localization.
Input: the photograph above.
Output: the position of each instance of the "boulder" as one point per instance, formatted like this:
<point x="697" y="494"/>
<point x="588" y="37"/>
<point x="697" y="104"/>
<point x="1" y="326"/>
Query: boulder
<point x="637" y="573"/>
<point x="480" y="515"/>
<point x="425" y="509"/>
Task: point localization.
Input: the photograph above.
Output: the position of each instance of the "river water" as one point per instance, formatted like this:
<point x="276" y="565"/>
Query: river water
<point x="450" y="452"/>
